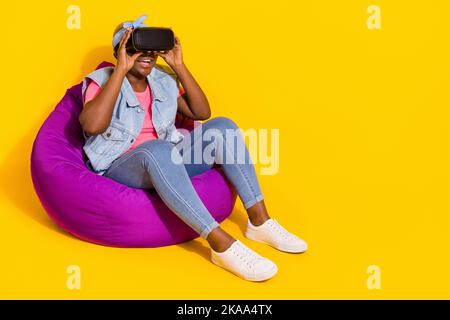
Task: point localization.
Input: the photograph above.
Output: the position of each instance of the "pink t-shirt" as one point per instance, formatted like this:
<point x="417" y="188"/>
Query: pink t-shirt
<point x="145" y="99"/>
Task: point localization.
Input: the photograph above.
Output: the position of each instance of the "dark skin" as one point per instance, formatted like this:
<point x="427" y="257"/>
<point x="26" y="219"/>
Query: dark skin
<point x="97" y="113"/>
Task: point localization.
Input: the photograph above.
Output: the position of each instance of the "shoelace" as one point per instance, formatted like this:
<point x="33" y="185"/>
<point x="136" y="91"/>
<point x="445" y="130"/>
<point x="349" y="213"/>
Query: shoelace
<point x="275" y="226"/>
<point x="246" y="255"/>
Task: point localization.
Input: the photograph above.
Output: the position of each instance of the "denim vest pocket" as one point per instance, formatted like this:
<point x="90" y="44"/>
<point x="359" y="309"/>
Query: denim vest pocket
<point x="110" y="142"/>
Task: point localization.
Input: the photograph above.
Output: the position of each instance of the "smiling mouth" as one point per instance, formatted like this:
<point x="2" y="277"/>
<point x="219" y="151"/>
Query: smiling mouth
<point x="146" y="62"/>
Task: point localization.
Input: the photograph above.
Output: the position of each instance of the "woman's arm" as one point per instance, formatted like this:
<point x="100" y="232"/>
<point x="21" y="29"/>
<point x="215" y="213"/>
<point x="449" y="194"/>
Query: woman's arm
<point x="193" y="103"/>
<point x="197" y="106"/>
<point x="97" y="113"/>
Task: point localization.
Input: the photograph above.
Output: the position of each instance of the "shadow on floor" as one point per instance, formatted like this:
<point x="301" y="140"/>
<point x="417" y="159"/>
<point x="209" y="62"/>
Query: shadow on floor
<point x="16" y="184"/>
<point x="196" y="246"/>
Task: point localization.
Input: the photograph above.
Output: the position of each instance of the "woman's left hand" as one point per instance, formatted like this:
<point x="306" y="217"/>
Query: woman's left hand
<point x="174" y="57"/>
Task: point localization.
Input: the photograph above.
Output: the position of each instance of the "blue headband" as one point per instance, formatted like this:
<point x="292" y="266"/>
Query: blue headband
<point x="135" y="24"/>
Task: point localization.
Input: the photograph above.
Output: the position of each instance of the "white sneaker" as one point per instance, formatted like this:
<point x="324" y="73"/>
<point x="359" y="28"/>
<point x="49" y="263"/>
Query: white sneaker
<point x="244" y="262"/>
<point x="273" y="234"/>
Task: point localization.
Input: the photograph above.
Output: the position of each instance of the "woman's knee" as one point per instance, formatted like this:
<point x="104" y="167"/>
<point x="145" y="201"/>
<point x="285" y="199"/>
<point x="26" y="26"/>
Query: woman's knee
<point x="222" y="123"/>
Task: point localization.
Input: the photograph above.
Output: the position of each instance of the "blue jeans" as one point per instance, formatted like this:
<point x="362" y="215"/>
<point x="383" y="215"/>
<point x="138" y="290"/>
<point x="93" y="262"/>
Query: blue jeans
<point x="167" y="168"/>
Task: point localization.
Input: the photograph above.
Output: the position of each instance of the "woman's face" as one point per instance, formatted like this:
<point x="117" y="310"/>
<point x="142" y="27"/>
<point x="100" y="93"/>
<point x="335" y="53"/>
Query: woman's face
<point x="144" y="64"/>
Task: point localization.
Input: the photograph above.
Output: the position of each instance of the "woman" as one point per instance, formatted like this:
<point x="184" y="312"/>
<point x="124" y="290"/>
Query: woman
<point x="128" y="123"/>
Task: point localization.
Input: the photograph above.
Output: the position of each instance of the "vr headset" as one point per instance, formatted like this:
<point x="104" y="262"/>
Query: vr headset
<point x="149" y="39"/>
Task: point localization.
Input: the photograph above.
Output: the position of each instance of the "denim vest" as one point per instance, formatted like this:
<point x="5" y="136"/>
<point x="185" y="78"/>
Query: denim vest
<point x="128" y="116"/>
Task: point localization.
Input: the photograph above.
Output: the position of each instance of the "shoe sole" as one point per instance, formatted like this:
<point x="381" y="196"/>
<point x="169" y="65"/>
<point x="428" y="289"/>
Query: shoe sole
<point x="284" y="249"/>
<point x="265" y="276"/>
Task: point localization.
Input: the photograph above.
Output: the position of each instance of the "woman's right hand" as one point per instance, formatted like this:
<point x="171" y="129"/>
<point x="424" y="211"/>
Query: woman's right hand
<point x="124" y="61"/>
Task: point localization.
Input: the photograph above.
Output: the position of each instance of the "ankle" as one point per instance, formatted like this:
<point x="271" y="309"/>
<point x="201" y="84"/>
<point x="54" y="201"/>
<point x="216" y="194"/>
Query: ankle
<point x="222" y="246"/>
<point x="258" y="220"/>
<point x="258" y="214"/>
<point x="219" y="240"/>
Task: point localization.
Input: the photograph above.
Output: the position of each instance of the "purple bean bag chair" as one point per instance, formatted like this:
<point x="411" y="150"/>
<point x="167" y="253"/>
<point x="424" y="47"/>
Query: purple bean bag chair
<point x="98" y="209"/>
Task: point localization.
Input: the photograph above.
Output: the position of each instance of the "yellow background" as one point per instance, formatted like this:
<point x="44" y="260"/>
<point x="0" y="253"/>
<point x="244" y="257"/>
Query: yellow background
<point x="364" y="152"/>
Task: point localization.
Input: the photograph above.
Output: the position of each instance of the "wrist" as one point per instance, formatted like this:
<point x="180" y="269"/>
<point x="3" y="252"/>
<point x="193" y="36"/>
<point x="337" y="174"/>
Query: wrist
<point x="178" y="66"/>
<point x="120" y="71"/>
